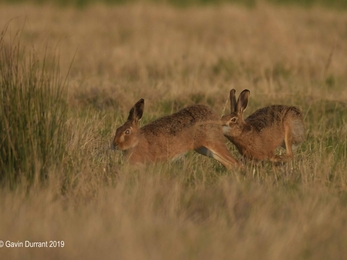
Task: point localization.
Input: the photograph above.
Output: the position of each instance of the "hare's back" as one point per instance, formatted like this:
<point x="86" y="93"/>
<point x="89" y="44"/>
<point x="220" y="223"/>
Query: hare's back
<point x="267" y="117"/>
<point x="180" y="121"/>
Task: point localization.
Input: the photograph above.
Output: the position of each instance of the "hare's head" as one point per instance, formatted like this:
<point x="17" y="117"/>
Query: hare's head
<point x="127" y="135"/>
<point x="234" y="124"/>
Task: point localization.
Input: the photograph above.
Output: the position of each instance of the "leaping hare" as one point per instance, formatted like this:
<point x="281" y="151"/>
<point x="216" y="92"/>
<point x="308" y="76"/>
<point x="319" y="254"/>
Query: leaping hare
<point x="258" y="136"/>
<point x="193" y="128"/>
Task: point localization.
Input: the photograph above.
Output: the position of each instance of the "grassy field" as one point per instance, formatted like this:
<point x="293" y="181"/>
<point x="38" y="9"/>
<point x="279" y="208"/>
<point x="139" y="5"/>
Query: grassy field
<point x="85" y="68"/>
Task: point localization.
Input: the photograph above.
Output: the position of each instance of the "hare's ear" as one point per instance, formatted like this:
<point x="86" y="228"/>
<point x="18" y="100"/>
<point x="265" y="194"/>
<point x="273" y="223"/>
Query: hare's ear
<point x="136" y="111"/>
<point x="233" y="104"/>
<point x="243" y="101"/>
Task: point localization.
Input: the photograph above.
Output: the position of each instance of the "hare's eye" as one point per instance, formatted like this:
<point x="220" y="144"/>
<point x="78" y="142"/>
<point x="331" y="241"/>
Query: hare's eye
<point x="127" y="132"/>
<point x="234" y="119"/>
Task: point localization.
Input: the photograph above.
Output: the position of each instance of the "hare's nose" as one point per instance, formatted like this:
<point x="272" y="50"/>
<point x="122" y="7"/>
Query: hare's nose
<point x="113" y="146"/>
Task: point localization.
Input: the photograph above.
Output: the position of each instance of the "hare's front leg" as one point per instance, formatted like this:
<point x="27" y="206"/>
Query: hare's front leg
<point x="219" y="152"/>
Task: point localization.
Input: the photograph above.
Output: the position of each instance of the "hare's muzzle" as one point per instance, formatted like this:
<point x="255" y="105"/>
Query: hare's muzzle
<point x="226" y="129"/>
<point x="113" y="146"/>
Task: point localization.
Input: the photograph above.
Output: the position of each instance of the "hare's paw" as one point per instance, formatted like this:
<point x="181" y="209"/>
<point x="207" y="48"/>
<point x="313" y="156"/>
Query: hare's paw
<point x="280" y="159"/>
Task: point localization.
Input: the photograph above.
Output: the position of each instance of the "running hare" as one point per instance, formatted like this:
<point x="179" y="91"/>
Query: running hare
<point x="193" y="128"/>
<point x="258" y="136"/>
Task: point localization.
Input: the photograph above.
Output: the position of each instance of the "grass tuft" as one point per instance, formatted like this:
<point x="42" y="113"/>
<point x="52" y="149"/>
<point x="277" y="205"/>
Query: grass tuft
<point x="32" y="113"/>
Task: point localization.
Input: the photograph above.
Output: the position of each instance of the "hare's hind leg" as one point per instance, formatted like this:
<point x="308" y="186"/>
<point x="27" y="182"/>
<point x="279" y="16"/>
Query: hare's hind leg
<point x="294" y="132"/>
<point x="219" y="152"/>
<point x="287" y="145"/>
<point x="288" y="141"/>
<point x="293" y="135"/>
<point x="297" y="131"/>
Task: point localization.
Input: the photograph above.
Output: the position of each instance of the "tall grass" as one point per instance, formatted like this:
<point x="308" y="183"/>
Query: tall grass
<point x="32" y="113"/>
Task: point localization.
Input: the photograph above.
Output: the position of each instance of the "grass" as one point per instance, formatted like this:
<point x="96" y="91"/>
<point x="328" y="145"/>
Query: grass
<point x="32" y="114"/>
<point x="192" y="207"/>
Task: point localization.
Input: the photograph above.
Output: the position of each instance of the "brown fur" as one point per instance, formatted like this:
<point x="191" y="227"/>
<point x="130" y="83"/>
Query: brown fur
<point x="268" y="128"/>
<point x="193" y="128"/>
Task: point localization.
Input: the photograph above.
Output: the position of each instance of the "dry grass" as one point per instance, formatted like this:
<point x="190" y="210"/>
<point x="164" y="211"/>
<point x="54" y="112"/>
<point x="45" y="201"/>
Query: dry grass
<point x="191" y="208"/>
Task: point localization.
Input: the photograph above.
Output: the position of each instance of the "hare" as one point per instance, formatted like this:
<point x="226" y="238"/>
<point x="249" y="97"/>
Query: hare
<point x="193" y="128"/>
<point x="258" y="136"/>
